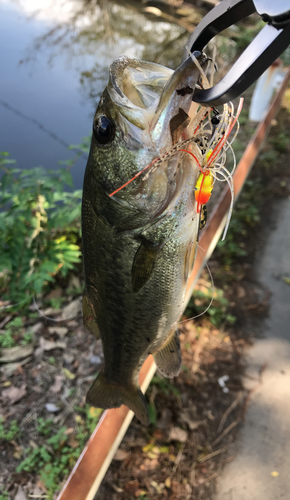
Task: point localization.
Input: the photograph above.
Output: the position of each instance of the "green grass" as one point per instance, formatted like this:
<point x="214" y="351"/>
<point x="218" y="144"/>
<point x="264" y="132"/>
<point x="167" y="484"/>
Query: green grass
<point x="13" y="330"/>
<point x="54" y="459"/>
<point x="7" y="433"/>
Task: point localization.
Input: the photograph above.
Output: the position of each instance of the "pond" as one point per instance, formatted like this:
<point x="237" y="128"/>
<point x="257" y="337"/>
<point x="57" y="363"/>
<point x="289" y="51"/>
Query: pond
<point x="55" y="65"/>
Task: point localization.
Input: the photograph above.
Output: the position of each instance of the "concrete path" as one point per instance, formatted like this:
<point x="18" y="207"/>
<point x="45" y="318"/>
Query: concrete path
<point x="261" y="469"/>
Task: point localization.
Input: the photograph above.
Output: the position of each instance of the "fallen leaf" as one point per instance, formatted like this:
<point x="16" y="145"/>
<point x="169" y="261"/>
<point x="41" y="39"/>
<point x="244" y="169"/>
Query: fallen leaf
<point x="49" y="345"/>
<point x="52" y="408"/>
<point x="140" y="493"/>
<point x="54" y="294"/>
<point x="117" y="489"/>
<point x="51" y="311"/>
<point x="210" y="415"/>
<point x="187" y="418"/>
<point x="61" y="331"/>
<point x="74" y="282"/>
<point x="68" y="431"/>
<point x="275" y="473"/>
<point x="187" y="487"/>
<point x="37" y="389"/>
<point x="56" y="387"/>
<point x="33" y="444"/>
<point x="68" y="374"/>
<point x="120" y="455"/>
<point x="37" y="492"/>
<point x="40" y="485"/>
<point x="18" y="451"/>
<point x="68" y="358"/>
<point x="286" y="280"/>
<point x="177" y="434"/>
<point x="72" y="442"/>
<point x="241" y="292"/>
<point x="156" y="486"/>
<point x="132" y="486"/>
<point x="72" y="323"/>
<point x="153" y="10"/>
<point x="154" y="453"/>
<point x="37" y="328"/>
<point x="168" y="482"/>
<point x="15" y="353"/>
<point x="20" y="494"/>
<point x="149" y="464"/>
<point x="95" y="412"/>
<point x="14" y="394"/>
<point x="175" y="486"/>
<point x="73" y="309"/>
<point x="148" y="447"/>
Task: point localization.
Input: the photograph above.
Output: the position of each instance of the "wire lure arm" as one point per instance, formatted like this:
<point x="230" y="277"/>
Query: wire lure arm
<point x="269" y="44"/>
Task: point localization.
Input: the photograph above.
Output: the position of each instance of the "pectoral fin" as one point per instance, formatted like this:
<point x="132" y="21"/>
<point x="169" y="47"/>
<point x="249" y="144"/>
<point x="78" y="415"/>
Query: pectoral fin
<point x="105" y="394"/>
<point x="168" y="358"/>
<point x="189" y="259"/>
<point x="143" y="264"/>
<point x="89" y="317"/>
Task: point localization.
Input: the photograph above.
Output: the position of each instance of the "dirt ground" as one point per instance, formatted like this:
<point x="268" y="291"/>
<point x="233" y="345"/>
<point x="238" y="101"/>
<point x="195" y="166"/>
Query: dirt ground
<point x="195" y="417"/>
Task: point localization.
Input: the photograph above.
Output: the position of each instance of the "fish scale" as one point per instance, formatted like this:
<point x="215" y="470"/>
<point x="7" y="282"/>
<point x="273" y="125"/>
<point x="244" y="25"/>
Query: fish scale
<point x="138" y="245"/>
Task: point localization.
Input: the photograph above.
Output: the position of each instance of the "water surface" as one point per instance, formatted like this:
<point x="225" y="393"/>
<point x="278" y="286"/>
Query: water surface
<point x="54" y="65"/>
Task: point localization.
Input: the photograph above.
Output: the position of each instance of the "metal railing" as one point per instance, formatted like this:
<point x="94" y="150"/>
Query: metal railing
<point x="87" y="474"/>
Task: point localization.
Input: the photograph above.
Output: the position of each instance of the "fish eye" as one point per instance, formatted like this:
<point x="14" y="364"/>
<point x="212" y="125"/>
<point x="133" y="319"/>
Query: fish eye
<point x="103" y="130"/>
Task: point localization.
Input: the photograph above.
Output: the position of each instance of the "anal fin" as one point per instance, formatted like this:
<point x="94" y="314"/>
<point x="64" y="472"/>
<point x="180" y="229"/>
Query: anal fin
<point x="168" y="359"/>
<point x="105" y="394"/>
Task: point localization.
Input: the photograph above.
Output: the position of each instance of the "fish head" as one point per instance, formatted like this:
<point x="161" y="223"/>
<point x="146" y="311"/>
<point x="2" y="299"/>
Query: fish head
<point x="142" y="114"/>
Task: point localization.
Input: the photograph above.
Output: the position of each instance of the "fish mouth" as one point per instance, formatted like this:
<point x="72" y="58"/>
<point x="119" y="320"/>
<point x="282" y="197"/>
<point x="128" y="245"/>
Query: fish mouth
<point x="134" y="89"/>
<point x="150" y="105"/>
<point x="152" y="101"/>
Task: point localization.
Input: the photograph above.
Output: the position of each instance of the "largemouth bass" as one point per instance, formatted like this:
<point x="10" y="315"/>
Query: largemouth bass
<point x="139" y="245"/>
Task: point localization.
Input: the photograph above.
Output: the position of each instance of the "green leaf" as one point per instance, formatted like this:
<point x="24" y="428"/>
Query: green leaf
<point x="66" y="177"/>
<point x="5" y="181"/>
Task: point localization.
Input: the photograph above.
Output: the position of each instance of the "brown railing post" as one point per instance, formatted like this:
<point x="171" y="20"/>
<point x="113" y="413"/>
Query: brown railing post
<point x="87" y="474"/>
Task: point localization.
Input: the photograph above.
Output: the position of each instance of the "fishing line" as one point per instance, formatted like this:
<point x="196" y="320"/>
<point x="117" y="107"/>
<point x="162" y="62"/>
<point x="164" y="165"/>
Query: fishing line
<point x="42" y="127"/>
<point x="12" y="305"/>
<point x="213" y="67"/>
<point x="220" y="143"/>
<point x="213" y="290"/>
<point x="194" y="59"/>
<point x="230" y="127"/>
<point x="198" y="164"/>
<point x="47" y="317"/>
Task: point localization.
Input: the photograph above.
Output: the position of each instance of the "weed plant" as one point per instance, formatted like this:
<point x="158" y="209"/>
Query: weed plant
<point x="218" y="312"/>
<point x="39" y="227"/>
<point x="9" y="433"/>
<point x="12" y="332"/>
<point x="57" y="455"/>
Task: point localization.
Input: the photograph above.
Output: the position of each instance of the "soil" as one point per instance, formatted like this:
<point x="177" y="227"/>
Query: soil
<point x="196" y="416"/>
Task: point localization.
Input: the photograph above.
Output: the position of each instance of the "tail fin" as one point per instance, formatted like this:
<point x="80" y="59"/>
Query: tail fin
<point x="104" y="394"/>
